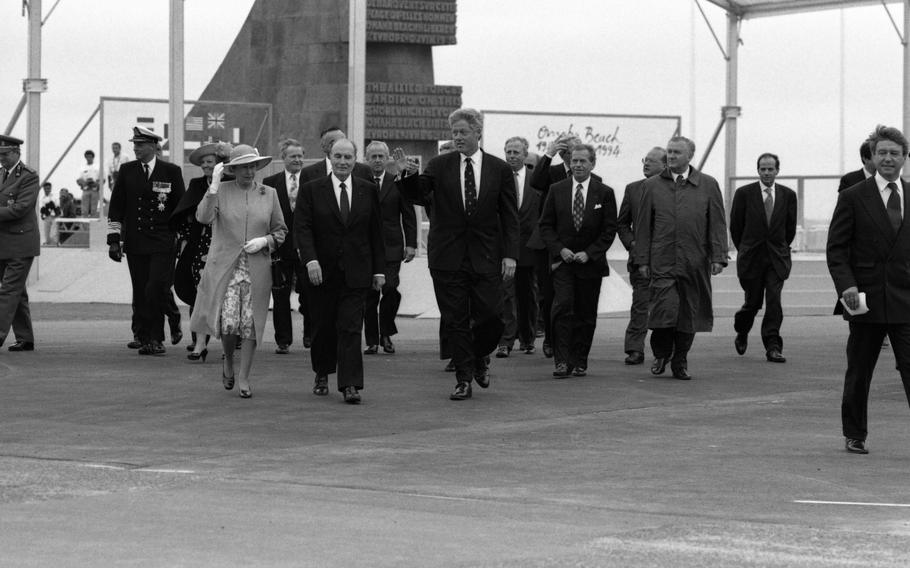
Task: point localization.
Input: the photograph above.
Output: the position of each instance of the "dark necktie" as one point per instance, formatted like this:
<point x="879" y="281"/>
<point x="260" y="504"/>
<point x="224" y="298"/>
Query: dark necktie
<point x="680" y="181"/>
<point x="146" y="168"/>
<point x="378" y="181"/>
<point x="578" y="207"/>
<point x="769" y="204"/>
<point x="894" y="207"/>
<point x="470" y="188"/>
<point x="345" y="204"/>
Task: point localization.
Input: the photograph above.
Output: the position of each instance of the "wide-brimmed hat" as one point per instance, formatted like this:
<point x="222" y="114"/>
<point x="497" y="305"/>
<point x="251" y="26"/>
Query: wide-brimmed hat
<point x="141" y="134"/>
<point x="243" y="154"/>
<point x="221" y="151"/>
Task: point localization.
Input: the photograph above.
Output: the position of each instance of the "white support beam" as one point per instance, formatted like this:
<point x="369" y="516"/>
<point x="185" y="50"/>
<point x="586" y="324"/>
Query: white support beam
<point x="731" y="108"/>
<point x="357" y="50"/>
<point x="33" y="87"/>
<point x="175" y="95"/>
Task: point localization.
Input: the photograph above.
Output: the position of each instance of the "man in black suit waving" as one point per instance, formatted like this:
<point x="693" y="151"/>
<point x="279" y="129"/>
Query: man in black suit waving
<point x="399" y="235"/>
<point x="287" y="184"/>
<point x="762" y="225"/>
<point x="147" y="192"/>
<point x="338" y="230"/>
<point x="577" y="224"/>
<point x="868" y="254"/>
<point x="472" y="245"/>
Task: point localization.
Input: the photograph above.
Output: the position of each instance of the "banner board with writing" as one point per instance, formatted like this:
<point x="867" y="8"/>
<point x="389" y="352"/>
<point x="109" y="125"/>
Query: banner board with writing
<point x="621" y="141"/>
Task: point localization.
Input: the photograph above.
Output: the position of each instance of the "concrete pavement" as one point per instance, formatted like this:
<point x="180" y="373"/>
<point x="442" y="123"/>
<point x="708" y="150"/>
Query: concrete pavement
<point x="109" y="458"/>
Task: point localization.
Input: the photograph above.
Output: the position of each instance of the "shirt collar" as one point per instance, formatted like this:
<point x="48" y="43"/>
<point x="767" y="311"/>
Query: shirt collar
<point x="475" y="157"/>
<point x="328" y="165"/>
<point x="16" y="165"/>
<point x="766" y="187"/>
<point x="584" y="185"/>
<point x="685" y="174"/>
<point x="337" y="182"/>
<point x="882" y="183"/>
<point x="151" y="163"/>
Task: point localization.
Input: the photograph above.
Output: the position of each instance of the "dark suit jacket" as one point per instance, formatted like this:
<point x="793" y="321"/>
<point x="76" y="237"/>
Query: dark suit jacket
<point x="598" y="226"/>
<point x="355" y="247"/>
<point x="319" y="170"/>
<point x="399" y="221"/>
<point x="287" y="250"/>
<point x="851" y="179"/>
<point x="485" y="237"/>
<point x="864" y="251"/>
<point x="757" y="242"/>
<point x="146" y="228"/>
<point x="628" y="213"/>
<point x="528" y="217"/>
<point x="19" y="236"/>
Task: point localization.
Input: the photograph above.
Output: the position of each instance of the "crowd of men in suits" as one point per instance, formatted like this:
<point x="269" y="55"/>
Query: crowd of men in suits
<point x="508" y="243"/>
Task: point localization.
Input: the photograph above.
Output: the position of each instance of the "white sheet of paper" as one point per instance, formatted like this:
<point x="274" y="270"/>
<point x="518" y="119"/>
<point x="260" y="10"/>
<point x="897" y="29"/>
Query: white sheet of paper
<point x="862" y="309"/>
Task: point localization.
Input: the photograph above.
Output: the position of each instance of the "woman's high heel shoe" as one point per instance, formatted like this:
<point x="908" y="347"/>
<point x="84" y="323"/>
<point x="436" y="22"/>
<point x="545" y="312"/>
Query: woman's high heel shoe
<point x="196" y="356"/>
<point x="227" y="381"/>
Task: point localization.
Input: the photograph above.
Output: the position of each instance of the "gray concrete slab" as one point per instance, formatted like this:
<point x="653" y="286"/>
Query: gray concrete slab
<point x="109" y="458"/>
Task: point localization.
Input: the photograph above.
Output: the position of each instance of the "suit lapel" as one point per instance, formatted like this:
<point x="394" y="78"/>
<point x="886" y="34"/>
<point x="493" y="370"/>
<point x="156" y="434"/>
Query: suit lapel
<point x="385" y="187"/>
<point x="872" y="201"/>
<point x="329" y="194"/>
<point x="591" y="201"/>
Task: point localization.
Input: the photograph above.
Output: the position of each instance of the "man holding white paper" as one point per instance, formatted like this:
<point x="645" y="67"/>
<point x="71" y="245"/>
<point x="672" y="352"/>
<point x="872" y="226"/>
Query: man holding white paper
<point x="868" y="253"/>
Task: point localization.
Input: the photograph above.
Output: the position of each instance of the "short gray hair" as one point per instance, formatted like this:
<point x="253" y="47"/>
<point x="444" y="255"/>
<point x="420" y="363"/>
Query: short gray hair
<point x="689" y="144"/>
<point x="376" y="144"/>
<point x="469" y="115"/>
<point x="523" y="141"/>
<point x="288" y="143"/>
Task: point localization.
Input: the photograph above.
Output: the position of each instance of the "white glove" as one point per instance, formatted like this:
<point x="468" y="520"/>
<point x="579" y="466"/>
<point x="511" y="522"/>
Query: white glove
<point x="217" y="172"/>
<point x="255" y="245"/>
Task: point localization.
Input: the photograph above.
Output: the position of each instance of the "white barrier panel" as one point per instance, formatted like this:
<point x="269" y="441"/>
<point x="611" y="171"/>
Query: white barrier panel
<point x="621" y="141"/>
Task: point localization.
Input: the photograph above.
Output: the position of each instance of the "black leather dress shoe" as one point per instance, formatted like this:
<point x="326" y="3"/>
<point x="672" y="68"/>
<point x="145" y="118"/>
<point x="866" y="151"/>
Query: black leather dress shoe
<point x="321" y="388"/>
<point x="157" y="348"/>
<point x="502" y="351"/>
<point x="561" y="371"/>
<point x="856" y="446"/>
<point x="482" y="372"/>
<point x="307" y="341"/>
<point x="22" y="346"/>
<point x="450" y="366"/>
<point x="682" y="374"/>
<point x="351" y="396"/>
<point x="371" y="350"/>
<point x="741" y="342"/>
<point x="282" y="349"/>
<point x="386" y="342"/>
<point x="659" y="365"/>
<point x="547" y="350"/>
<point x="134" y="344"/>
<point x="176" y="336"/>
<point x="462" y="391"/>
<point x="774" y="356"/>
<point x="146" y="349"/>
<point x="579" y="371"/>
<point x="635" y="358"/>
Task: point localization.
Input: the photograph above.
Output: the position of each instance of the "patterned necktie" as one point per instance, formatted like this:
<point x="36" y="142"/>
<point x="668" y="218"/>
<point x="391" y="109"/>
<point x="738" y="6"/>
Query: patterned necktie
<point x="769" y="204"/>
<point x="680" y="181"/>
<point x="345" y="204"/>
<point x="470" y="188"/>
<point x="894" y="207"/>
<point x="146" y="168"/>
<point x="518" y="190"/>
<point x="578" y="207"/>
<point x="292" y="191"/>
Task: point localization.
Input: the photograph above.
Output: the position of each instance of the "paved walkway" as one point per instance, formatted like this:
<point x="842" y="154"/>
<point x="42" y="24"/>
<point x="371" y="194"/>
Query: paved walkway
<point x="109" y="459"/>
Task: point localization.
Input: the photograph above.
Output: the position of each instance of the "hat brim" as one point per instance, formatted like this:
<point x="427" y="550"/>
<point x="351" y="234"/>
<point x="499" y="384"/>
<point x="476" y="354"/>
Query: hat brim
<point x="144" y="139"/>
<point x="203" y="151"/>
<point x="259" y="161"/>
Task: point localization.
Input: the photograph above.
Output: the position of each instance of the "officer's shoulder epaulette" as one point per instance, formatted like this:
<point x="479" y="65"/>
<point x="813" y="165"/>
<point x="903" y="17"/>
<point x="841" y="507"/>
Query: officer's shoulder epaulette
<point x="28" y="169"/>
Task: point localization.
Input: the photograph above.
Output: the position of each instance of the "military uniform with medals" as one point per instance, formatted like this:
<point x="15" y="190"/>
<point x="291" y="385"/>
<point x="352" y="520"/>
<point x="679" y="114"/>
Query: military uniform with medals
<point x="146" y="194"/>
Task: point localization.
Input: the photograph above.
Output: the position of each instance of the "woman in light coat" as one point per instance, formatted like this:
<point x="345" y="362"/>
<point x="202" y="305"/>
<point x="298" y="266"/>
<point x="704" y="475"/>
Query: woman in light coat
<point x="232" y="300"/>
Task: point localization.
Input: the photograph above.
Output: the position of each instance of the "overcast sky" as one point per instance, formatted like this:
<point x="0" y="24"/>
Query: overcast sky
<point x="594" y="56"/>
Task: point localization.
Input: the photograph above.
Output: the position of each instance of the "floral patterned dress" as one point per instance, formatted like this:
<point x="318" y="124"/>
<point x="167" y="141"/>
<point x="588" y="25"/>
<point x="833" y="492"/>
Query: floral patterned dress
<point x="237" y="309"/>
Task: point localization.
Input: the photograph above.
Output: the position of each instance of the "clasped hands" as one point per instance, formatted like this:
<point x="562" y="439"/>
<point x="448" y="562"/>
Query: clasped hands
<point x="568" y="256"/>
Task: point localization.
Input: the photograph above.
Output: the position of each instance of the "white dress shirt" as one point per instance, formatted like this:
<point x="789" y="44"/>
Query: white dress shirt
<point x="519" y="177"/>
<point x="885" y="191"/>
